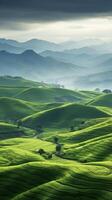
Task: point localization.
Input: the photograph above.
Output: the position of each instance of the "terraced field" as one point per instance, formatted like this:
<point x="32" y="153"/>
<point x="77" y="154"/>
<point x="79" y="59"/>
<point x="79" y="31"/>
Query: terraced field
<point x="83" y="126"/>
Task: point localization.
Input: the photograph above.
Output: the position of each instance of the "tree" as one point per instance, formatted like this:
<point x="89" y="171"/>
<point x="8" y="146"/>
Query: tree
<point x="72" y="128"/>
<point x="56" y="140"/>
<point x="83" y="122"/>
<point x="107" y="91"/>
<point x="19" y="123"/>
<point x="41" y="151"/>
<point x="58" y="149"/>
<point x="50" y="156"/>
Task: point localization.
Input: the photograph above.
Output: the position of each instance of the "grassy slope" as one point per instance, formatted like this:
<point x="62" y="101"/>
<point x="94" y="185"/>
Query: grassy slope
<point x="63" y="116"/>
<point x="91" y="94"/>
<point x="13" y="109"/>
<point x="16" y="156"/>
<point x="9" y="91"/>
<point x="8" y="130"/>
<point x="104" y="100"/>
<point x="57" y="179"/>
<point x="90" y="144"/>
<point x="19" y="82"/>
<point x="44" y="95"/>
<point x="51" y="95"/>
<point x="25" y="175"/>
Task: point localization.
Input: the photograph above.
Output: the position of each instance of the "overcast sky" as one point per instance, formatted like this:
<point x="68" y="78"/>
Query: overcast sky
<point x="56" y="20"/>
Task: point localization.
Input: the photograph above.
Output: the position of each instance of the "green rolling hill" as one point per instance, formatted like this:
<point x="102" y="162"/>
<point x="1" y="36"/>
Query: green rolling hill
<point x="11" y="81"/>
<point x="83" y="170"/>
<point x="42" y="178"/>
<point x="17" y="87"/>
<point x="14" y="109"/>
<point x="51" y="95"/>
<point x="15" y="156"/>
<point x="93" y="143"/>
<point x="105" y="101"/>
<point x="63" y="116"/>
<point x="9" y="91"/>
<point x="8" y="130"/>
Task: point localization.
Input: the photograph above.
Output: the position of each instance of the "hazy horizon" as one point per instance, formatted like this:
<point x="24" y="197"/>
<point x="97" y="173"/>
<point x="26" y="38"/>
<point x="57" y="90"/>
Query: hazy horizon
<point x="74" y="24"/>
<point x="62" y="31"/>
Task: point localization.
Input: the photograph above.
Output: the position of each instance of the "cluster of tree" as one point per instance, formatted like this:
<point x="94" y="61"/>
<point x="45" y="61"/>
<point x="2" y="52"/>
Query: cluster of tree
<point x="75" y="128"/>
<point x="58" y="86"/>
<point x="57" y="152"/>
<point x="58" y="148"/>
<point x="106" y="91"/>
<point x="45" y="154"/>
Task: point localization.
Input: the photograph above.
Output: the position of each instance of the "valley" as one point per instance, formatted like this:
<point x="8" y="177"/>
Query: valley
<point x="35" y="118"/>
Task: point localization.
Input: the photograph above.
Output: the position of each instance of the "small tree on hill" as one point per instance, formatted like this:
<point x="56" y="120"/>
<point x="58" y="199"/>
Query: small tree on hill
<point x="19" y="123"/>
<point x="58" y="149"/>
<point x="41" y="151"/>
<point x="83" y="122"/>
<point x="107" y="91"/>
<point x="72" y="128"/>
<point x="56" y="140"/>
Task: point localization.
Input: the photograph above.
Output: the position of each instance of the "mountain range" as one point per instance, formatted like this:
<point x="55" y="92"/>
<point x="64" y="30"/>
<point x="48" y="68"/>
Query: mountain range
<point x="73" y="64"/>
<point x="33" y="66"/>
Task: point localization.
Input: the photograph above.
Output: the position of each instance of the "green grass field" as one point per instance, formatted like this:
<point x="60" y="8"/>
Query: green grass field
<point x="83" y="169"/>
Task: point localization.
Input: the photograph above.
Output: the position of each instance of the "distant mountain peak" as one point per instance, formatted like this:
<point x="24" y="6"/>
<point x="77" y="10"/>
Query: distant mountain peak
<point x="3" y="52"/>
<point x="29" y="52"/>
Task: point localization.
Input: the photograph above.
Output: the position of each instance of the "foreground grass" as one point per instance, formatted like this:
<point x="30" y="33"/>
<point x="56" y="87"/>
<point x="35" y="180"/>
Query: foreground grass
<point x="83" y="172"/>
<point x="55" y="181"/>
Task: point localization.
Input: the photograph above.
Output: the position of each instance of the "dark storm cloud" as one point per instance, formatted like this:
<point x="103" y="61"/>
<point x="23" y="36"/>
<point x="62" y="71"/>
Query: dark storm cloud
<point x="49" y="10"/>
<point x="59" y="5"/>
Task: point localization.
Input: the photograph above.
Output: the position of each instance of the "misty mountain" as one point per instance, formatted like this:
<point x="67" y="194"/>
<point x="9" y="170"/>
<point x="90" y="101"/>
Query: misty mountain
<point x="82" y="56"/>
<point x="82" y="67"/>
<point x="102" y="62"/>
<point x="102" y="80"/>
<point x="33" y="66"/>
<point x="107" y="64"/>
<point x="43" y="45"/>
<point x="83" y="50"/>
<point x="10" y="48"/>
<point x="105" y="47"/>
<point x="80" y="43"/>
<point x="34" y="44"/>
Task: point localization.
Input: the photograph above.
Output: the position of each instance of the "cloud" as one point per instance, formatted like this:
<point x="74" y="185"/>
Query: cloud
<point x="52" y="10"/>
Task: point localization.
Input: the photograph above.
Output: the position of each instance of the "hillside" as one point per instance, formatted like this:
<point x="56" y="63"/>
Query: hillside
<point x="63" y="116"/>
<point x="50" y="179"/>
<point x="31" y="65"/>
<point x="51" y="95"/>
<point x="34" y="44"/>
<point x="30" y="166"/>
<point x="82" y="56"/>
<point x="105" y="101"/>
<point x="10" y="48"/>
<point x="11" y="81"/>
<point x="8" y="130"/>
<point x="14" y="109"/>
<point x="90" y="144"/>
<point x="100" y="80"/>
